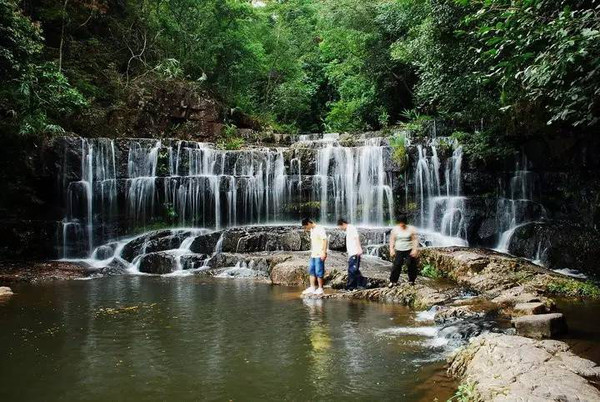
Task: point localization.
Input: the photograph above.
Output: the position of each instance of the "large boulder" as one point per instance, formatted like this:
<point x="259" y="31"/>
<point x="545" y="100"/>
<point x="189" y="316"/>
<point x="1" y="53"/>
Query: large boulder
<point x="205" y="243"/>
<point x="157" y="263"/>
<point x="160" y="240"/>
<point x="249" y="239"/>
<point x="289" y="273"/>
<point x="541" y="326"/>
<point x="502" y="367"/>
<point x="558" y="245"/>
<point x="117" y="266"/>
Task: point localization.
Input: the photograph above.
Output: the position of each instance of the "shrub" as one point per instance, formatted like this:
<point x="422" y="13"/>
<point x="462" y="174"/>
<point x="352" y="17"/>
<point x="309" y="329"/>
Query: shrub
<point x="431" y="271"/>
<point x="231" y="141"/>
<point x="466" y="392"/>
<point x="398" y="144"/>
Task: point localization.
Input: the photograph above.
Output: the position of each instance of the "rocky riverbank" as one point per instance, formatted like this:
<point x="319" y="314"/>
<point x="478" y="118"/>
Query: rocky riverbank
<point x="469" y="291"/>
<point x="33" y="272"/>
<point x="496" y="367"/>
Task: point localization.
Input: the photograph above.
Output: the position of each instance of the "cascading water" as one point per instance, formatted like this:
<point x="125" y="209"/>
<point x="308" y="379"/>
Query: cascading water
<point x="96" y="191"/>
<point x="352" y="182"/>
<point x="141" y="169"/>
<point x="441" y="207"/>
<point x="191" y="184"/>
<point x="519" y="207"/>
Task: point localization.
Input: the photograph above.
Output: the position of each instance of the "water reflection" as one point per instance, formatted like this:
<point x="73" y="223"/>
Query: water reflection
<point x="188" y="338"/>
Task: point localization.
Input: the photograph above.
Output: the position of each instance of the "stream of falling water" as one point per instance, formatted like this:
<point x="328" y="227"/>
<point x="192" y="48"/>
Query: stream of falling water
<point x="197" y="185"/>
<point x="519" y="207"/>
<point x="441" y="206"/>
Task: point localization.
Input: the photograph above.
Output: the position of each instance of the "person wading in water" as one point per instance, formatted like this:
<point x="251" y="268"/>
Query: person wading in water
<point x="404" y="247"/>
<point x="318" y="255"/>
<point x="355" y="278"/>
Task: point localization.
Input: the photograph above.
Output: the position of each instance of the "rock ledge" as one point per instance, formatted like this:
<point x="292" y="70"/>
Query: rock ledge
<point x="513" y="368"/>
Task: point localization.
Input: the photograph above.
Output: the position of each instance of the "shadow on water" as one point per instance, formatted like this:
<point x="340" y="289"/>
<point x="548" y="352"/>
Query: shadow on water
<point x="153" y="338"/>
<point x="584" y="327"/>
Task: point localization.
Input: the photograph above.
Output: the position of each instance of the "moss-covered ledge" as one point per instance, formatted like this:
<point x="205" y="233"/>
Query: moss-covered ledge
<point x="502" y="277"/>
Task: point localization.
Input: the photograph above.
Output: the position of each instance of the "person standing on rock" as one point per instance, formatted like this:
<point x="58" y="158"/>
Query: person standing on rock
<point x="354" y="250"/>
<point x="404" y="247"/>
<point x="318" y="255"/>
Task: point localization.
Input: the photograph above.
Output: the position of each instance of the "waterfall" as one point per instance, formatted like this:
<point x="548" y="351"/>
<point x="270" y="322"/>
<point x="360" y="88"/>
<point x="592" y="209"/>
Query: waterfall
<point x="95" y="192"/>
<point x="441" y="206"/>
<point x="146" y="183"/>
<point x="352" y="182"/>
<point x="142" y="163"/>
<point x="519" y="207"/>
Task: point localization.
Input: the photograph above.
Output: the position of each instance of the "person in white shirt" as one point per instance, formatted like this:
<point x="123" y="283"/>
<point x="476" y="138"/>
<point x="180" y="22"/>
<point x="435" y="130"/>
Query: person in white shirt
<point x="404" y="247"/>
<point x="355" y="251"/>
<point x="318" y="255"/>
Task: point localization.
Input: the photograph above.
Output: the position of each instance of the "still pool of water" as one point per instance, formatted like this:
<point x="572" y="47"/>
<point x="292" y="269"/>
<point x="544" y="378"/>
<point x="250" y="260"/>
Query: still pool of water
<point x="152" y="338"/>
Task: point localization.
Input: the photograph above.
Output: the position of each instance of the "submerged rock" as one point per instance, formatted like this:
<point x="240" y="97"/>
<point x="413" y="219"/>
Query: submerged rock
<point x="5" y="291"/>
<point x="513" y="368"/>
<point x="43" y="271"/>
<point x="417" y="296"/>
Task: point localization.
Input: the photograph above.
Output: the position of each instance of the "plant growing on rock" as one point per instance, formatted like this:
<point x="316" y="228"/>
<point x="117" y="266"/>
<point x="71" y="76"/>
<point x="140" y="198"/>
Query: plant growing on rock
<point x="431" y="271"/>
<point x="398" y="144"/>
<point x="231" y="141"/>
<point x="573" y="288"/>
<point x="466" y="393"/>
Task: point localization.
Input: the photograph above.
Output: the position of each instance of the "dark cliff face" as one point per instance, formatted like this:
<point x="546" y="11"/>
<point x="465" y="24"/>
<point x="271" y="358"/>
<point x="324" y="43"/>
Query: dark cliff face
<point x="156" y="109"/>
<point x="35" y="173"/>
<point x="30" y="197"/>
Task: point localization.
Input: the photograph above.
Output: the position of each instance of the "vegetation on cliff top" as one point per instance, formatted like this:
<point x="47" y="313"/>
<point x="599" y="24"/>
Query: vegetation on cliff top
<point x="495" y="68"/>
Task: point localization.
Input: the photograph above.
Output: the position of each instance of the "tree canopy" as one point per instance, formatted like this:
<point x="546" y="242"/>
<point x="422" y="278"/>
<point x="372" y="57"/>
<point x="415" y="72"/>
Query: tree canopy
<point x="498" y="67"/>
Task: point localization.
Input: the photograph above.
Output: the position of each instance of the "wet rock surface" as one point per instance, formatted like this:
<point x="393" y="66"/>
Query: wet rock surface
<point x="18" y="271"/>
<point x="419" y="296"/>
<point x="160" y="240"/>
<point x="558" y="244"/>
<point x="489" y="273"/>
<point x="291" y="268"/>
<point x="513" y="368"/>
<point x="5" y="291"/>
<point x="157" y="263"/>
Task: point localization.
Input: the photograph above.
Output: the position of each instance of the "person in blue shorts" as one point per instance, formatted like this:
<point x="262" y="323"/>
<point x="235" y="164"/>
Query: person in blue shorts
<point x="318" y="255"/>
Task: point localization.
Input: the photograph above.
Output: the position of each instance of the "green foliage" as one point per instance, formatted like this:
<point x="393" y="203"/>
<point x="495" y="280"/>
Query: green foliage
<point x="466" y="393"/>
<point x="169" y="68"/>
<point x="573" y="288"/>
<point x="419" y="125"/>
<point x="368" y="84"/>
<point x="36" y="94"/>
<point x="398" y="144"/>
<point x="494" y="69"/>
<point x="231" y="141"/>
<point x="44" y="95"/>
<point x="542" y="53"/>
<point x="20" y="41"/>
<point x="431" y="271"/>
<point x="484" y="146"/>
<point x="170" y="212"/>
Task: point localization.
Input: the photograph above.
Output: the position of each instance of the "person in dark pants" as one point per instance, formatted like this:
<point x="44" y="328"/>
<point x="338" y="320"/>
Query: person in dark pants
<point x="404" y="248"/>
<point x="354" y="249"/>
